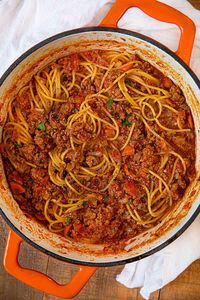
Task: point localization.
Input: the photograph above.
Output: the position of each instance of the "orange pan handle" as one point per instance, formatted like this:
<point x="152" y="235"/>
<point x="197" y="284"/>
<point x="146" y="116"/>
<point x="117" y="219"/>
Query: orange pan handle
<point x="161" y="12"/>
<point x="39" y="280"/>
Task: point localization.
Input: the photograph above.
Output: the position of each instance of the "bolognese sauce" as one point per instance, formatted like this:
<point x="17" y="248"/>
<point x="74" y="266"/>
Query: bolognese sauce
<point x="99" y="146"/>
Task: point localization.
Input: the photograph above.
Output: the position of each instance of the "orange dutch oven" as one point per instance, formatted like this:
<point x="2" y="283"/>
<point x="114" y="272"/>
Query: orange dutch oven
<point x="173" y="65"/>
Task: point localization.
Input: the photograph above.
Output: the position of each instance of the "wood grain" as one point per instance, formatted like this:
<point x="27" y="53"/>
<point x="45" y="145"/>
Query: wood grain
<point x="195" y="3"/>
<point x="102" y="285"/>
<point x="186" y="286"/>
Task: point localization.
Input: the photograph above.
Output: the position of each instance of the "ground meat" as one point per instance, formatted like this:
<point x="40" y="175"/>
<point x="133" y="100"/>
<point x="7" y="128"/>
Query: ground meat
<point x="148" y="158"/>
<point x="60" y="137"/>
<point x="23" y="101"/>
<point x="70" y="63"/>
<point x="34" y="118"/>
<point x="176" y="95"/>
<point x="96" y="57"/>
<point x="38" y="174"/>
<point x="28" y="151"/>
<point x="44" y="141"/>
<point x="100" y="224"/>
<point x="97" y="145"/>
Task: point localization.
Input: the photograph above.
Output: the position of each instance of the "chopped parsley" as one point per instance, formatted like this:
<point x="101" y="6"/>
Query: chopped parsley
<point x="127" y="81"/>
<point x="105" y="199"/>
<point x="41" y="127"/>
<point x="126" y="122"/>
<point x="143" y="197"/>
<point x="84" y="203"/>
<point x="74" y="110"/>
<point x="141" y="136"/>
<point x="65" y="173"/>
<point x="68" y="221"/>
<point x="110" y="103"/>
<point x="18" y="145"/>
<point x="130" y="201"/>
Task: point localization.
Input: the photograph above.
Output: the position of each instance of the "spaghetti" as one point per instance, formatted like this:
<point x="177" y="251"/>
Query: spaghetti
<point x="99" y="146"/>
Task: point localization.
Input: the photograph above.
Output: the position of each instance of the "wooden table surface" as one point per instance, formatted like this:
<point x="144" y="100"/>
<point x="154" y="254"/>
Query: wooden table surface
<point x="102" y="285"/>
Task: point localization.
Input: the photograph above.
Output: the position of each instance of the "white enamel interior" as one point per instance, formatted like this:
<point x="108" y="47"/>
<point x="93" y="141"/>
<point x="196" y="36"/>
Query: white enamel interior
<point x="161" y="60"/>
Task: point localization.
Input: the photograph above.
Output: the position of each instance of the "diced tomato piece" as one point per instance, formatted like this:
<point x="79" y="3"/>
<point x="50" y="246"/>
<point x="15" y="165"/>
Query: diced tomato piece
<point x="17" y="188"/>
<point x="3" y="147"/>
<point x="130" y="188"/>
<point x="167" y="83"/>
<point x="116" y="155"/>
<point x="78" y="228"/>
<point x="109" y="132"/>
<point x="128" y="150"/>
<point x="16" y="177"/>
<point x="67" y="229"/>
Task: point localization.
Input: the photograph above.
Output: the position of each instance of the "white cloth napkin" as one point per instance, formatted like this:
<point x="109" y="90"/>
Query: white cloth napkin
<point x="157" y="270"/>
<point x="24" y="23"/>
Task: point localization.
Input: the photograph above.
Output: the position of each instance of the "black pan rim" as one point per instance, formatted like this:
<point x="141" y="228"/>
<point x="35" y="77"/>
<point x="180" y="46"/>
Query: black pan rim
<point x="132" y="34"/>
<point x="92" y="29"/>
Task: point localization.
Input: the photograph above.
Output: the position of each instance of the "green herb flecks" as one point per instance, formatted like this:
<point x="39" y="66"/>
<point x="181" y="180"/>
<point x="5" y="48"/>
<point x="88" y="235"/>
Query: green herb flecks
<point x="84" y="203"/>
<point x="68" y="221"/>
<point x="105" y="199"/>
<point x="18" y="145"/>
<point x="143" y="197"/>
<point x="65" y="173"/>
<point x="41" y="127"/>
<point x="130" y="201"/>
<point x="141" y="136"/>
<point x="109" y="103"/>
<point x="127" y="81"/>
<point x="126" y="122"/>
